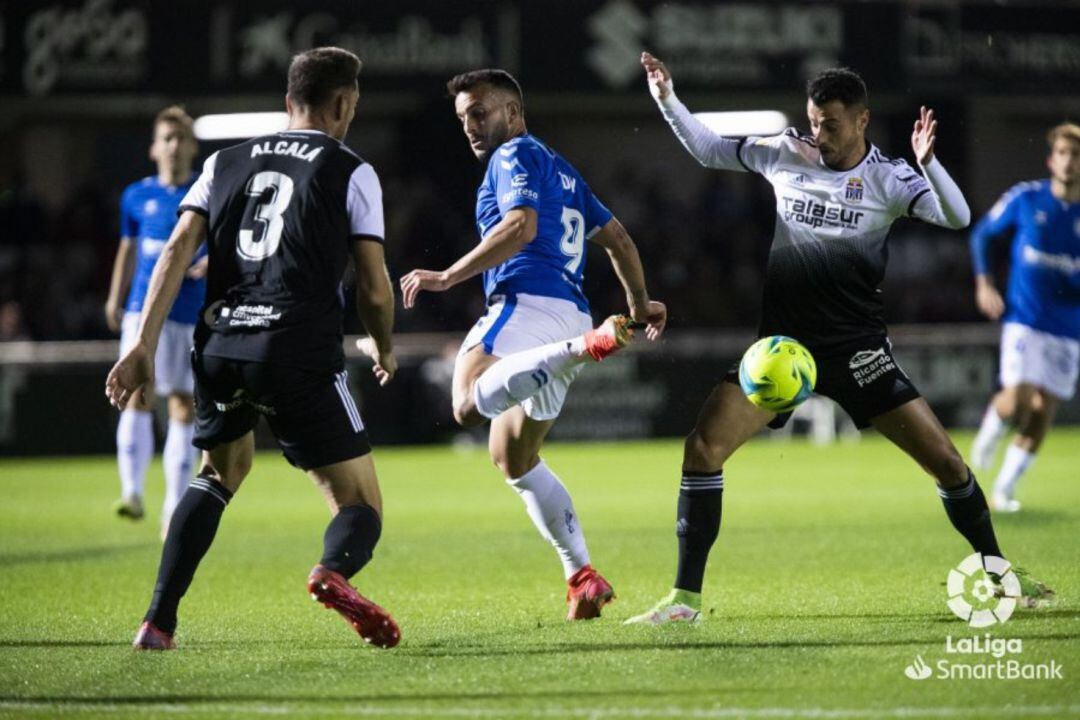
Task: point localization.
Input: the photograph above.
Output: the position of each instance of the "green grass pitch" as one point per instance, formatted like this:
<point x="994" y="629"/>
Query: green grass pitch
<point x="827" y="581"/>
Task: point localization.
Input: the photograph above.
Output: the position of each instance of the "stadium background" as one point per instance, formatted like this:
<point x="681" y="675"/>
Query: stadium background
<point x="80" y="81"/>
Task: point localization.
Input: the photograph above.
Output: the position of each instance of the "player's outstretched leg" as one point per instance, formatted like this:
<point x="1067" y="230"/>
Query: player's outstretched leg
<point x="517" y="377"/>
<point x="514" y="444"/>
<point x="726" y="421"/>
<point x="191" y="532"/>
<point x="352" y="490"/>
<point x="915" y="429"/>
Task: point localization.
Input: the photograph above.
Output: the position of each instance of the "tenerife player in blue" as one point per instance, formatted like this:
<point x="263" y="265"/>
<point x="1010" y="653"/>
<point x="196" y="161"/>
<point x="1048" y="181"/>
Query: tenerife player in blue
<point x="147" y="217"/>
<point x="1040" y="339"/>
<point x="534" y="213"/>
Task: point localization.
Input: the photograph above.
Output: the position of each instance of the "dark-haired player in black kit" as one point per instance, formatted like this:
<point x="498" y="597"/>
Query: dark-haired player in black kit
<point x="837" y="196"/>
<point x="281" y="214"/>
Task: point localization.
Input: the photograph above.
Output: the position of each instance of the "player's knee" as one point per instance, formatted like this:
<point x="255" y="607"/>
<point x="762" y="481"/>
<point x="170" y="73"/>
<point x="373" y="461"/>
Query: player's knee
<point x="510" y="466"/>
<point x="182" y="408"/>
<point x="466" y="414"/>
<point x="700" y="453"/>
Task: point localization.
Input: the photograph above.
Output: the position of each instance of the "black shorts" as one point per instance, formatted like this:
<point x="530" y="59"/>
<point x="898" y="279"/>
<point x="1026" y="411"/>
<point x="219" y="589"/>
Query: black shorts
<point x="311" y="414"/>
<point x="864" y="379"/>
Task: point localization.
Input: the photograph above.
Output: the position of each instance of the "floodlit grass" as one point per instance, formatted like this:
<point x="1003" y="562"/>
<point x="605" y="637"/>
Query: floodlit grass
<point x="827" y="581"/>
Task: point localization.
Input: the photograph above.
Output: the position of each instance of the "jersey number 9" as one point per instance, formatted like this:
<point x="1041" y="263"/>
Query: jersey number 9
<point x="573" y="239"/>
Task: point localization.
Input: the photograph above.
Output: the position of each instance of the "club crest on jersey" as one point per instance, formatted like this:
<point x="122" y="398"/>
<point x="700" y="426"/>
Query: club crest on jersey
<point x="854" y="190"/>
<point x="150" y="207"/>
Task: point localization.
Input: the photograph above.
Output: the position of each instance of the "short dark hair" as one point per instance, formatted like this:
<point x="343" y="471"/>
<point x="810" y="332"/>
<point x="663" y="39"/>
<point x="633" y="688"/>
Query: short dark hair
<point x="315" y="74"/>
<point x="843" y="84"/>
<point x="489" y="76"/>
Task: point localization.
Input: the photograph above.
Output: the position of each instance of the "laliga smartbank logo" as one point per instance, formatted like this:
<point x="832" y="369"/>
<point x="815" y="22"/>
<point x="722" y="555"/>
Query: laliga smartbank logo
<point x="983" y="591"/>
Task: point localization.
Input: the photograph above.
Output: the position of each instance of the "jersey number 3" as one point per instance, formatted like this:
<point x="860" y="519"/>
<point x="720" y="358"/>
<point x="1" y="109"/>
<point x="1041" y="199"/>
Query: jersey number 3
<point x="573" y="238"/>
<point x="260" y="233"/>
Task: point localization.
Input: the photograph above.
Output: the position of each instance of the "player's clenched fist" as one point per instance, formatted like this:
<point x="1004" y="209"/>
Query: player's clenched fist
<point x="660" y="83"/>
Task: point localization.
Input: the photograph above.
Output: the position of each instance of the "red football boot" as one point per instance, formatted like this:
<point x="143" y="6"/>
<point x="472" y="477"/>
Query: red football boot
<point x="612" y="335"/>
<point x="150" y="638"/>
<point x="372" y="622"/>
<point x="587" y="592"/>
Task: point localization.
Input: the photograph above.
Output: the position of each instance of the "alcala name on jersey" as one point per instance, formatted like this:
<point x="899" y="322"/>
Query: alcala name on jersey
<point x="817" y="214"/>
<point x="298" y="150"/>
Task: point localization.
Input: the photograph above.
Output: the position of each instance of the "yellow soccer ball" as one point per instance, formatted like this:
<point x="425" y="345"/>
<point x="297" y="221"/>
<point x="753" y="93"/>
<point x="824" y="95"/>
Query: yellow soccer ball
<point x="777" y="373"/>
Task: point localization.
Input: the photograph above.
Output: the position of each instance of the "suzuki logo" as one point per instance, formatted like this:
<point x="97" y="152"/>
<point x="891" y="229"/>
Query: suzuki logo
<point x="618" y="29"/>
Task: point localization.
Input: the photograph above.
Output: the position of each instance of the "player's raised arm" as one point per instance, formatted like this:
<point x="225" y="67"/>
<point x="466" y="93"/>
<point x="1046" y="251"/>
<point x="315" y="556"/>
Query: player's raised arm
<point x="945" y="204"/>
<point x="506" y="239"/>
<point x="708" y="148"/>
<point x="135" y="369"/>
<point x="627" y="263"/>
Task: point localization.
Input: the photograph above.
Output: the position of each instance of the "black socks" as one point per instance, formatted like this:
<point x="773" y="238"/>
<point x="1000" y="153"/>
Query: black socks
<point x="700" y="503"/>
<point x="350" y="539"/>
<point x="967" y="509"/>
<point x="191" y="530"/>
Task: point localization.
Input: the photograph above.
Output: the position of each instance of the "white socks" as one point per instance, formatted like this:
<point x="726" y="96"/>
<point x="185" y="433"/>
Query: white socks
<point x="992" y="429"/>
<point x="178" y="459"/>
<point x="516" y="378"/>
<point x="1017" y="462"/>
<point x="134" y="447"/>
<point x="552" y="511"/>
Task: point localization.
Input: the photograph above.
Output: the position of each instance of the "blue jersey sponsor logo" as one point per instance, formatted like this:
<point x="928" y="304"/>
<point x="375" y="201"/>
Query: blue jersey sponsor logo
<point x="524" y="172"/>
<point x="148" y="216"/>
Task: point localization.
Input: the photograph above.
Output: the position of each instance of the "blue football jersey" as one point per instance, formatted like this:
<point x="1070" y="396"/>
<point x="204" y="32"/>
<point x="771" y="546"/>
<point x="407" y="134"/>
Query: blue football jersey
<point x="1044" y="276"/>
<point x="523" y="172"/>
<point x="148" y="216"/>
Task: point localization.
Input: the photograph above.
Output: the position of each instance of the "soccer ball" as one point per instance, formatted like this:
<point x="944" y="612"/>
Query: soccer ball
<point x="777" y="373"/>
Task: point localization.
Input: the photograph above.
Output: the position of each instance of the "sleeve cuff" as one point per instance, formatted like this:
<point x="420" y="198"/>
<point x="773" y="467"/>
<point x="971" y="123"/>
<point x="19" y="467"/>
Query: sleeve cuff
<point x="360" y="237"/>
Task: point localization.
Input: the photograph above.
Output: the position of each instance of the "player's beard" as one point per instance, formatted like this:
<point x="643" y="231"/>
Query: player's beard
<point x="495" y="137"/>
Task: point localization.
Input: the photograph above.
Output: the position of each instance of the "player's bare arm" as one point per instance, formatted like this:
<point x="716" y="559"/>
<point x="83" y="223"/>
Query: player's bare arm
<point x="506" y="239"/>
<point x="375" y="306"/>
<point x="136" y="368"/>
<point x="627" y="264"/>
<point x="951" y="210"/>
<point x="122" y="272"/>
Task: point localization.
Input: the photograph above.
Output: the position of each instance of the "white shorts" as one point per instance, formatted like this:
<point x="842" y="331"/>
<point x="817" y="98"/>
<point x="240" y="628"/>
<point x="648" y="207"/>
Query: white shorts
<point x="514" y="323"/>
<point x="1038" y="358"/>
<point x="172" y="364"/>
